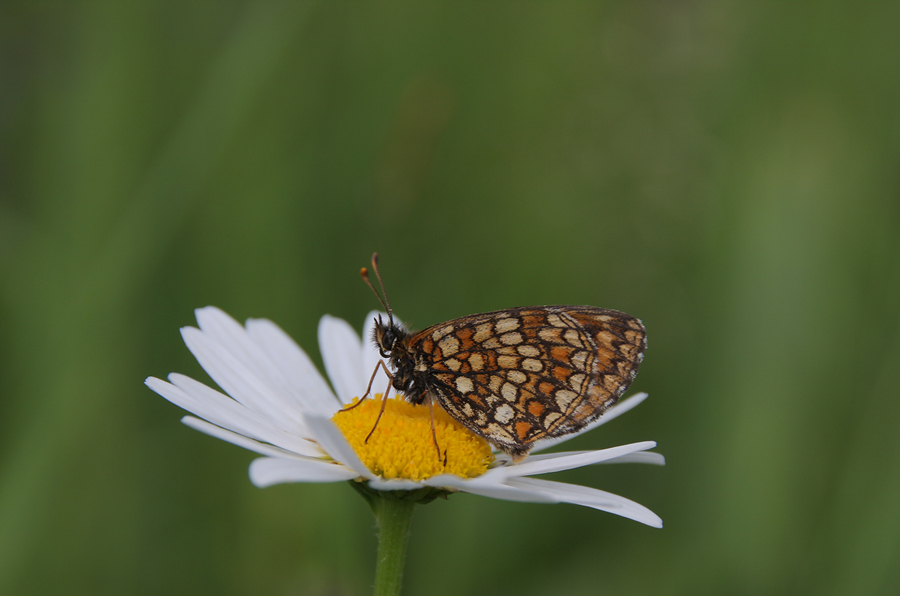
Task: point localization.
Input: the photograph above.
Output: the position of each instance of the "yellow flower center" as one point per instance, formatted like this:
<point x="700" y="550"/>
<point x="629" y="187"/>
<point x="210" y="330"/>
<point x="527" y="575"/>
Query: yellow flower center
<point x="403" y="447"/>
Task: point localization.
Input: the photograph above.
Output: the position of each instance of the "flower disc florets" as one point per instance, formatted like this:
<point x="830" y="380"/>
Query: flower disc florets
<point x="402" y="445"/>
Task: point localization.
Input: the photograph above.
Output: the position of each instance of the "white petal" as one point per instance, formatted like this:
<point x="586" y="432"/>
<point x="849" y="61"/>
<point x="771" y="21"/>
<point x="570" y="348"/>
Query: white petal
<point x="263" y="428"/>
<point x="394" y="484"/>
<point x="487" y="488"/>
<point x="233" y="337"/>
<point x="223" y="411"/>
<point x="545" y="456"/>
<point x="589" y="497"/>
<point x="614" y="412"/>
<point x="299" y="371"/>
<point x="567" y="461"/>
<point x="446" y="481"/>
<point x="370" y="355"/>
<point x="267" y="471"/>
<point x="332" y="440"/>
<point x="241" y="383"/>
<point x="218" y="410"/>
<point x="640" y="457"/>
<point x="239" y="440"/>
<point x="341" y="353"/>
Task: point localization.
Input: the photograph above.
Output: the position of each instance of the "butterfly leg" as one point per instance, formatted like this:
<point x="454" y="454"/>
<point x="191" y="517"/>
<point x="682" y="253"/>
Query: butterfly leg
<point x="433" y="432"/>
<point x="383" y="401"/>
<point x="369" y="386"/>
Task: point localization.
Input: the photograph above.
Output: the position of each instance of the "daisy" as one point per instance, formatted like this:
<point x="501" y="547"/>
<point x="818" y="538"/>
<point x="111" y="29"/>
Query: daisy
<point x="280" y="406"/>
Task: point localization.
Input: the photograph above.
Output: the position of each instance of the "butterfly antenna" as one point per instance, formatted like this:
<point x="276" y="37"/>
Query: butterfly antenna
<point x="383" y="296"/>
<point x="364" y="273"/>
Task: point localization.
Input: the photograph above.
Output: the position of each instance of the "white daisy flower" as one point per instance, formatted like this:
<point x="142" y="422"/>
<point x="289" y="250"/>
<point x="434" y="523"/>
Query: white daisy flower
<point x="282" y="408"/>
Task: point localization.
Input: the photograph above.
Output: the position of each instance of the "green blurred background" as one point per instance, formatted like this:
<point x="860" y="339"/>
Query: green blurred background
<point x="727" y="171"/>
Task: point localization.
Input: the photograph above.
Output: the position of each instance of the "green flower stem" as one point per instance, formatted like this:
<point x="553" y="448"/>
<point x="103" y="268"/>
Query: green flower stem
<point x="393" y="512"/>
<point x="394" y="517"/>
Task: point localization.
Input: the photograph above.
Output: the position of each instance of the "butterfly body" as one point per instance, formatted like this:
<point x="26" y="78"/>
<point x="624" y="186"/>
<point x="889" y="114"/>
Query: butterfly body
<point x="518" y="375"/>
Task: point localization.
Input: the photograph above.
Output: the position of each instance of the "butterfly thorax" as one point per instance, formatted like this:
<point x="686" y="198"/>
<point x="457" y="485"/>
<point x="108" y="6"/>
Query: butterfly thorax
<point x="410" y="376"/>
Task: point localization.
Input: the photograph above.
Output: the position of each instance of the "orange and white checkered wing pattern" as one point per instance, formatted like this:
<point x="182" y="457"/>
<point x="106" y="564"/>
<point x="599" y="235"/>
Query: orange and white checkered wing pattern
<point x="519" y="375"/>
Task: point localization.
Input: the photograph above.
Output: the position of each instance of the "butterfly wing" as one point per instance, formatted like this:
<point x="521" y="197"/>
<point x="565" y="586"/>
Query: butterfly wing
<point x="519" y="375"/>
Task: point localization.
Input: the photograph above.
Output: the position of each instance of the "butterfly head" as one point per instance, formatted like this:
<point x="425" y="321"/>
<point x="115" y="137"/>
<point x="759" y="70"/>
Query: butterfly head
<point x="386" y="336"/>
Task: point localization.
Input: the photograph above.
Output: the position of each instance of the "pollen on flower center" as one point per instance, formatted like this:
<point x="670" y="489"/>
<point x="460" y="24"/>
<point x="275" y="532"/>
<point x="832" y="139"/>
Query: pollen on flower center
<point x="402" y="446"/>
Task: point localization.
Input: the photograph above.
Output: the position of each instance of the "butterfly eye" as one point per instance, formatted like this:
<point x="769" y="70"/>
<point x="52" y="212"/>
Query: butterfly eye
<point x="387" y="341"/>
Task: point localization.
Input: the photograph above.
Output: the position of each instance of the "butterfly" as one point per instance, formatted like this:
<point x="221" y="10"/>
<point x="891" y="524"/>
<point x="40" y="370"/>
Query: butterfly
<point x="518" y="375"/>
